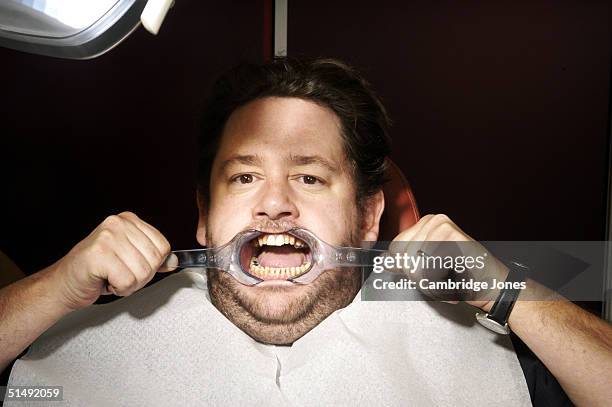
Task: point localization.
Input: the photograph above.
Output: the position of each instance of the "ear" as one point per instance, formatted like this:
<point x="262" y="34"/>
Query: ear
<point x="373" y="210"/>
<point x="202" y="211"/>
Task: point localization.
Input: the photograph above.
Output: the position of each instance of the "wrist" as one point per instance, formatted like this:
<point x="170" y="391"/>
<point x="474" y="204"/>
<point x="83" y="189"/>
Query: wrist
<point x="484" y="305"/>
<point x="52" y="289"/>
<point x="501" y="272"/>
<point x="60" y="289"/>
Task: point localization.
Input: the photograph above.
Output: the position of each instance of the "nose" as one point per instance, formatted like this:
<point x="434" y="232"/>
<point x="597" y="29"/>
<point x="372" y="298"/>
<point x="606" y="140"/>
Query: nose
<point x="274" y="202"/>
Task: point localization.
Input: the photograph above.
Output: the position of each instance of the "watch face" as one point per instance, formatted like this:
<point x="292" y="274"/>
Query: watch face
<point x="492" y="325"/>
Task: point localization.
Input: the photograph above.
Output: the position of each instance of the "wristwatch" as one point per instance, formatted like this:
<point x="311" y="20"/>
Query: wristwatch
<point x="497" y="318"/>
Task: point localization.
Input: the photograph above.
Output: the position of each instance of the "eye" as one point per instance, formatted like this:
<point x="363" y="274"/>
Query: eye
<point x="311" y="180"/>
<point x="243" y="179"/>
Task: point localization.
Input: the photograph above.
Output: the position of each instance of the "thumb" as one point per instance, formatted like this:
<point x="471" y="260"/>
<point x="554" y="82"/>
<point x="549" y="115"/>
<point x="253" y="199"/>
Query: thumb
<point x="170" y="264"/>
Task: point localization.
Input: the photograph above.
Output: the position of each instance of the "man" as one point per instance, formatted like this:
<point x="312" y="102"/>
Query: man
<point x="288" y="144"/>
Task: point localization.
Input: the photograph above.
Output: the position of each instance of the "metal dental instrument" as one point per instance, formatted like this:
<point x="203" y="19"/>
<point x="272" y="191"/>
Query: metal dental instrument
<point x="323" y="256"/>
<point x="225" y="258"/>
<point x="326" y="256"/>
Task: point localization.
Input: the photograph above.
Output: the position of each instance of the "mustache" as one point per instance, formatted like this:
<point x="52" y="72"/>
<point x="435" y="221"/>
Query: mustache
<point x="273" y="226"/>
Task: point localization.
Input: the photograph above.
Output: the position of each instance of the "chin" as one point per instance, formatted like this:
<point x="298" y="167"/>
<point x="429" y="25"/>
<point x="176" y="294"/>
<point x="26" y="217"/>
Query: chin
<point x="276" y="302"/>
<point x="280" y="312"/>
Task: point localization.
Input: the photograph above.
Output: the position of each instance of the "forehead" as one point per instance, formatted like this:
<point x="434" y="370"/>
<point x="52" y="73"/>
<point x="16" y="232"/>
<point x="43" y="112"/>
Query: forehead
<point x="279" y="127"/>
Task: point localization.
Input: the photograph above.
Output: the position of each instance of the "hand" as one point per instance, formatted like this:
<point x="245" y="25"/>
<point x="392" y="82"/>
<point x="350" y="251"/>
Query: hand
<point x="120" y="256"/>
<point x="432" y="236"/>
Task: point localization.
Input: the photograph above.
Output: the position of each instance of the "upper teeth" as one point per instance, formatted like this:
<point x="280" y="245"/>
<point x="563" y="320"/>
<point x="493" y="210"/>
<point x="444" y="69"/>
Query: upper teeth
<point x="279" y="240"/>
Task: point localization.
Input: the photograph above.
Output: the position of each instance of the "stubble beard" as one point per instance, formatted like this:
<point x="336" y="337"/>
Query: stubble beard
<point x="281" y="315"/>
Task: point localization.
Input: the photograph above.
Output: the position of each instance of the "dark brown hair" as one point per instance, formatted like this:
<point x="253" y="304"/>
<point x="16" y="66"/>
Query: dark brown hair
<point x="327" y="82"/>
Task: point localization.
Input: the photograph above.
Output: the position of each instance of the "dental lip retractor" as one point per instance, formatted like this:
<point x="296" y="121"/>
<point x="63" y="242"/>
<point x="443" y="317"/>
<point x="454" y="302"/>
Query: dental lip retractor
<point x="228" y="257"/>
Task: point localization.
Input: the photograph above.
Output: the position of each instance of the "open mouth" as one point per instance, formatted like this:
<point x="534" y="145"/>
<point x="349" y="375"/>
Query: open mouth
<point x="276" y="256"/>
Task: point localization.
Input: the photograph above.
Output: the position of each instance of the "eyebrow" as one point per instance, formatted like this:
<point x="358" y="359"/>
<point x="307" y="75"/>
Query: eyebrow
<point x="300" y="160"/>
<point x="313" y="159"/>
<point x="252" y="160"/>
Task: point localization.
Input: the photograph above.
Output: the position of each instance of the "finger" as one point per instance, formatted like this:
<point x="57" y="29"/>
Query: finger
<point x="160" y="262"/>
<point x="439" y="228"/>
<point x="412" y="239"/>
<point x="169" y="261"/>
<point x="409" y="233"/>
<point x="109" y="266"/>
<point x="135" y="260"/>
<point x="121" y="281"/>
<point x="445" y="238"/>
<point x="442" y="228"/>
<point x="423" y="237"/>
<point x="143" y="244"/>
<point x="414" y="246"/>
<point x="160" y="242"/>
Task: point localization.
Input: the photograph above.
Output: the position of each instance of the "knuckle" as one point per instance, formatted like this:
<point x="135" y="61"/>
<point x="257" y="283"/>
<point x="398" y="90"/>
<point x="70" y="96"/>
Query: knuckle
<point x="402" y="236"/>
<point x="127" y="282"/>
<point x="112" y="220"/>
<point x="425" y="218"/>
<point x="440" y="217"/>
<point x="128" y="215"/>
<point x="156" y="257"/>
<point x="95" y="251"/>
<point x="144" y="270"/>
<point x="165" y="247"/>
<point x="446" y="227"/>
<point x="445" y="232"/>
<point x="105" y="235"/>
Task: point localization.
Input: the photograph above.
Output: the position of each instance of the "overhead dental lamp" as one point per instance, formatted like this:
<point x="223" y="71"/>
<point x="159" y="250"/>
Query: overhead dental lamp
<point x="75" y="29"/>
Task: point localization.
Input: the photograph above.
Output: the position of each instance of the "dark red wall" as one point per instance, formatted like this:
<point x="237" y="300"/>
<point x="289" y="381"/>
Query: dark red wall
<point x="500" y="108"/>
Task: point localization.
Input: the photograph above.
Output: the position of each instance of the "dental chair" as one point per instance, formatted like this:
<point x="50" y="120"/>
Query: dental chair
<point x="401" y="210"/>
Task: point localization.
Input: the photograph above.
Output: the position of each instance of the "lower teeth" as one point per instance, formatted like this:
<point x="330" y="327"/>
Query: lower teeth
<point x="255" y="268"/>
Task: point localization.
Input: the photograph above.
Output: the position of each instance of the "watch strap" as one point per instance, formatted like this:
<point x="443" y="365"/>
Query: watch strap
<point x="500" y="311"/>
<point x="497" y="318"/>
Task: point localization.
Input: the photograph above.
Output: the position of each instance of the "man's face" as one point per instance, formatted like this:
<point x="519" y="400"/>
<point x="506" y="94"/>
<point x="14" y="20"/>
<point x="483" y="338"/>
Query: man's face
<point x="281" y="164"/>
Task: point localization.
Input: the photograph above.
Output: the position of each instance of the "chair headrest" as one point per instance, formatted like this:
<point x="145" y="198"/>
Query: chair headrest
<point x="401" y="210"/>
